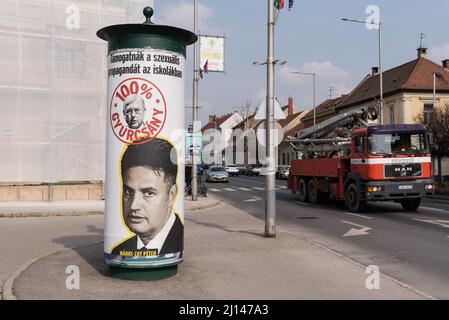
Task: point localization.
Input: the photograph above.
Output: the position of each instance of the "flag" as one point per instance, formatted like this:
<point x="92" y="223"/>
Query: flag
<point x="290" y="4"/>
<point x="279" y="4"/>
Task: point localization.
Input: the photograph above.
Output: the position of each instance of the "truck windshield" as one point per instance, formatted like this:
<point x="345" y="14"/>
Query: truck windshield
<point x="404" y="143"/>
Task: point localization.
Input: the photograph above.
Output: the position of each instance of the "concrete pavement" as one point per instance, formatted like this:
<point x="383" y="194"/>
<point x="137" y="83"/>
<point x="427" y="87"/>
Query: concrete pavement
<point x="76" y="208"/>
<point x="226" y="257"/>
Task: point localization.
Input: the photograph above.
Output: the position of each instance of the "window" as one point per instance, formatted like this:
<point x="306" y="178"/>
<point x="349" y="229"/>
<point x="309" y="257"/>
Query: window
<point x="428" y="111"/>
<point x="359" y="145"/>
<point x="391" y="114"/>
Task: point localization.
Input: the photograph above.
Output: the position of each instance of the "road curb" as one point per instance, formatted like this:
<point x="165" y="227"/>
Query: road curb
<point x="203" y="207"/>
<point x="7" y="289"/>
<point x="50" y="214"/>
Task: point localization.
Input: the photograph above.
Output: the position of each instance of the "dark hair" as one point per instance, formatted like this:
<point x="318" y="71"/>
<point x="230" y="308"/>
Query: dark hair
<point x="155" y="154"/>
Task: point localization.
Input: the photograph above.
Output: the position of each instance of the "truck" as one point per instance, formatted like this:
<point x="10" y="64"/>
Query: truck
<point x="345" y="158"/>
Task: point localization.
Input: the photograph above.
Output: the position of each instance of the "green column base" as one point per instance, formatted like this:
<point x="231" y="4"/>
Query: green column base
<point x="153" y="274"/>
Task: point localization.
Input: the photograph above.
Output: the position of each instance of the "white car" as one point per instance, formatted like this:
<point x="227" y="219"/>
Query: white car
<point x="232" y="170"/>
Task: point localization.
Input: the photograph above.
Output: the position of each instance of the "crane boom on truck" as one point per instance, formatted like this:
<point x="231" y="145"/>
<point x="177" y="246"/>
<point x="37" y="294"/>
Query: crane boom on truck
<point x="346" y="158"/>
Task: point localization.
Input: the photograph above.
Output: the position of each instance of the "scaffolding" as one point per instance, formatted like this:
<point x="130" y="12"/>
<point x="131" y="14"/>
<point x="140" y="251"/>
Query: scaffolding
<point x="53" y="87"/>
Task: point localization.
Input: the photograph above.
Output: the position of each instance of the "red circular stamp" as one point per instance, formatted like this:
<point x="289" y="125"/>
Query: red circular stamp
<point x="138" y="111"/>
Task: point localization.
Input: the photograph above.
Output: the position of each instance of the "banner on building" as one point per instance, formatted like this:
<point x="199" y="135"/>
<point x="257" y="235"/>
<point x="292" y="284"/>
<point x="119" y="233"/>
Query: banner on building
<point x="212" y="53"/>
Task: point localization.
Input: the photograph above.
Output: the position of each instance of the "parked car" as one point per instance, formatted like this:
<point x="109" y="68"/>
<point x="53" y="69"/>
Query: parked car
<point x="283" y="172"/>
<point x="217" y="173"/>
<point x="242" y="169"/>
<point x="252" y="170"/>
<point x="232" y="170"/>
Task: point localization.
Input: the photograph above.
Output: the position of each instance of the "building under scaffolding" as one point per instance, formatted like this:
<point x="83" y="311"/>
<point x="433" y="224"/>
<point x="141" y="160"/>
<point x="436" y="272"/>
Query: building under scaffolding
<point x="53" y="90"/>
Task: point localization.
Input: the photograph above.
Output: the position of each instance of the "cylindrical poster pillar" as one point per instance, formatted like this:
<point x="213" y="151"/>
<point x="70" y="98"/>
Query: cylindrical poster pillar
<point x="144" y="214"/>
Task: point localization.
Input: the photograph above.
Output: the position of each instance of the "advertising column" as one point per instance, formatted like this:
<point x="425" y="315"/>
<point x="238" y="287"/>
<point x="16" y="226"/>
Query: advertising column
<point x="144" y="213"/>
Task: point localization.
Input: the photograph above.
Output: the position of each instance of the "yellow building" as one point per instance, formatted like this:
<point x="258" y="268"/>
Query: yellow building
<point x="408" y="90"/>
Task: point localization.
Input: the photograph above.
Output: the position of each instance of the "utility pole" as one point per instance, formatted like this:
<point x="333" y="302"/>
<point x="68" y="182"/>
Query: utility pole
<point x="270" y="181"/>
<point x="314" y="91"/>
<point x="331" y="89"/>
<point x="196" y="80"/>
<point x="381" y="89"/>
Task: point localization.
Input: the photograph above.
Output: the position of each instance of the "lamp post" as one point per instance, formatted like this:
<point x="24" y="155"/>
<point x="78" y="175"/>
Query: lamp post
<point x="196" y="79"/>
<point x="314" y="91"/>
<point x="270" y="178"/>
<point x="379" y="28"/>
<point x="435" y="75"/>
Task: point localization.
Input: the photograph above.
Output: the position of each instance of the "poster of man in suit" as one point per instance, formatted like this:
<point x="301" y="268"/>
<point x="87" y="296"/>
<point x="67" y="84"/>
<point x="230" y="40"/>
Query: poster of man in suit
<point x="149" y="190"/>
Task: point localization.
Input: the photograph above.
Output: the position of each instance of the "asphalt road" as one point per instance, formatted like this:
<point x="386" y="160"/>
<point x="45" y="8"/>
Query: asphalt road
<point x="410" y="246"/>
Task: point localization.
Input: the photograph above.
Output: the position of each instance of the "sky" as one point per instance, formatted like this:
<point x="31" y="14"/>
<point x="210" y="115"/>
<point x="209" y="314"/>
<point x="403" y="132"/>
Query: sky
<point x="311" y="38"/>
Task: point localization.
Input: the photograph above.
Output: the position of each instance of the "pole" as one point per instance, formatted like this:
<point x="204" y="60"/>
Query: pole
<point x="381" y="111"/>
<point x="434" y="90"/>
<point x="314" y="99"/>
<point x="270" y="182"/>
<point x="195" y="104"/>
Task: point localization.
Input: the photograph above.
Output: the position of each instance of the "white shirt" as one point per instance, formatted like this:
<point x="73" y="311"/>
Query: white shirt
<point x="158" y="241"/>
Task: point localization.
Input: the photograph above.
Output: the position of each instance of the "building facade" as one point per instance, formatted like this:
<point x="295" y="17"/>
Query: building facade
<point x="53" y="89"/>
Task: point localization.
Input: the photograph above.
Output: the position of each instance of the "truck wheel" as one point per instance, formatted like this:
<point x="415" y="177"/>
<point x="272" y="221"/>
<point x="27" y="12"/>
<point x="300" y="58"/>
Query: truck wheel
<point x="411" y="204"/>
<point x="302" y="190"/>
<point x="314" y="193"/>
<point x="353" y="199"/>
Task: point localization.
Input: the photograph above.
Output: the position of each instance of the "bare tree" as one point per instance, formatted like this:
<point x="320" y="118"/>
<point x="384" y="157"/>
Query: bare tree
<point x="437" y="122"/>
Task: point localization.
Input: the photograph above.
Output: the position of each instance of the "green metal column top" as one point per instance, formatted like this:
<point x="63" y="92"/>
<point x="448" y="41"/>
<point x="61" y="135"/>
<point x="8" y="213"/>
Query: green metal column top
<point x="148" y="34"/>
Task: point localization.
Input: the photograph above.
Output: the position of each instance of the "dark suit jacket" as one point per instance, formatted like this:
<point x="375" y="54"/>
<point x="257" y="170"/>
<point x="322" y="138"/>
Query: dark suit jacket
<point x="173" y="243"/>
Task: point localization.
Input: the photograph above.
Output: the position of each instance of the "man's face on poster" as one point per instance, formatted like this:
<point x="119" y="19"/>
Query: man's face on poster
<point x="134" y="111"/>
<point x="147" y="201"/>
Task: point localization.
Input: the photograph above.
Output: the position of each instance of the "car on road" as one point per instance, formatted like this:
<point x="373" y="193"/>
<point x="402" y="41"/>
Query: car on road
<point x="217" y="173"/>
<point x="282" y="172"/>
<point x="253" y="170"/>
<point x="242" y="169"/>
<point x="232" y="170"/>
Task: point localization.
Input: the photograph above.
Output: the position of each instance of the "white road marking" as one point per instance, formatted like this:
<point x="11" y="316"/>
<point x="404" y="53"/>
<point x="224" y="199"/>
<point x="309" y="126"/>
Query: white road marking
<point x="421" y="207"/>
<point x="214" y="190"/>
<point x="356" y="232"/>
<point x="358" y="215"/>
<point x="436" y="209"/>
<point x="441" y="223"/>
<point x="254" y="199"/>
<point x="258" y="188"/>
<point x="244" y="189"/>
<point x="229" y="189"/>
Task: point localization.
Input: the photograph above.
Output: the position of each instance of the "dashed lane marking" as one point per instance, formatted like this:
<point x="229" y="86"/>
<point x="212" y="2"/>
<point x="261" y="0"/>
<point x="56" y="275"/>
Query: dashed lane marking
<point x="358" y="215"/>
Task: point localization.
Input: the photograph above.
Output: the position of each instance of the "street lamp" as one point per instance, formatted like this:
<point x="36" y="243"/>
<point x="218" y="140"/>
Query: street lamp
<point x="435" y="75"/>
<point x="314" y="91"/>
<point x="379" y="28"/>
<point x="196" y="79"/>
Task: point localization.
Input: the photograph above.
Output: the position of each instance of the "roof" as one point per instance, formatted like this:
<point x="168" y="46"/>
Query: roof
<point x="415" y="75"/>
<point x="292" y="132"/>
<point x="327" y="105"/>
<point x="217" y="123"/>
<point x="288" y="119"/>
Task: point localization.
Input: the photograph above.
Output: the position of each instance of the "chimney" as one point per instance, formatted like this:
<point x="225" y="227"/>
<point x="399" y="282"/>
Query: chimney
<point x="290" y="106"/>
<point x="212" y="118"/>
<point x="422" y="52"/>
<point x="446" y="64"/>
<point x="374" y="71"/>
